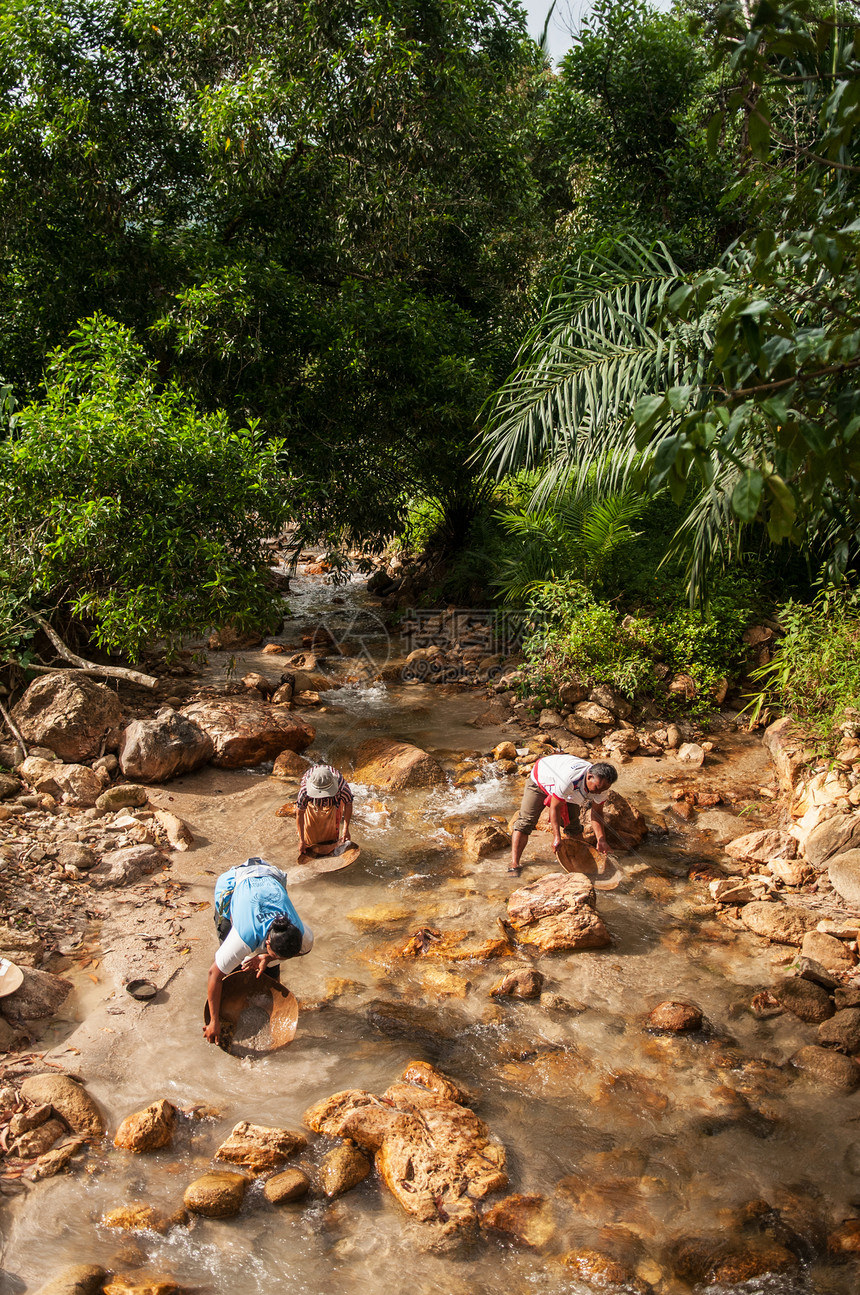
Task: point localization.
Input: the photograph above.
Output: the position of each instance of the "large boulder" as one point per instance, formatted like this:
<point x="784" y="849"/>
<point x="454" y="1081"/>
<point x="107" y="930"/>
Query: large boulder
<point x="69" y="1099"/>
<point x="836" y="835"/>
<point x="73" y="783"/>
<point x="259" y="1148"/>
<point x="247" y="732"/>
<point x="434" y="1155"/>
<point x="69" y="714"/>
<point x="759" y="847"/>
<point x="38" y="996"/>
<point x="844" y="874"/>
<point x="394" y="766"/>
<point x="127" y="865"/>
<point x="147" y="1130"/>
<point x="778" y="922"/>
<point x="557" y="912"/>
<point x="786" y="745"/>
<point x="154" y="750"/>
<point x="625" y="825"/>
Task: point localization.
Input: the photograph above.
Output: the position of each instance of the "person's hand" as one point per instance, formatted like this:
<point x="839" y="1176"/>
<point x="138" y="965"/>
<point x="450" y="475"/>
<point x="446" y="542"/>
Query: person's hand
<point x="257" y="964"/>
<point x="556" y="842"/>
<point x="601" y="846"/>
<point x="211" y="1031"/>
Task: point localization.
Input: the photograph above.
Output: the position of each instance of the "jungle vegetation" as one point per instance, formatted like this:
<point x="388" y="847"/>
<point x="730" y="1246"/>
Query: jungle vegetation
<point x="376" y="271"/>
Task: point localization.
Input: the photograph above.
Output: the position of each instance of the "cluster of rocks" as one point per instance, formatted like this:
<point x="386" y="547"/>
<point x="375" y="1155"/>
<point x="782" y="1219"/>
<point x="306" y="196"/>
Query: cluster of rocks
<point x="47" y="1121"/>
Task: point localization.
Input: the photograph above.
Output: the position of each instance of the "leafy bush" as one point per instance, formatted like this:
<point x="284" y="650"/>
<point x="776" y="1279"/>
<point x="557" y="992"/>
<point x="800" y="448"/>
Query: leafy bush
<point x="575" y="634"/>
<point x="815" y="671"/>
<point x="129" y="511"/>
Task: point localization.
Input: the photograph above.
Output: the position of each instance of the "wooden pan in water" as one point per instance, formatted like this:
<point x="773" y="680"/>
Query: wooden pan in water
<point x="258" y="1015"/>
<point x="602" y="871"/>
<point x="310" y="865"/>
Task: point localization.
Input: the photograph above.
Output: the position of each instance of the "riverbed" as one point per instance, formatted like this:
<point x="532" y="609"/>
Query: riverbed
<point x="634" y="1138"/>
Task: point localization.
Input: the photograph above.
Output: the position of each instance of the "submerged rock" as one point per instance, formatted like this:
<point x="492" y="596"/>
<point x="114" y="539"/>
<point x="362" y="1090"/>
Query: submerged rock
<point x="248" y="732"/>
<point x="69" y="1099"/>
<point x="526" y="1220"/>
<point x="139" y="1217"/>
<point x="289" y="1185"/>
<point x="525" y="982"/>
<point x="342" y="1169"/>
<point x="68" y="713"/>
<point x="842" y="1030"/>
<point x="394" y="766"/>
<point x="147" y="1130"/>
<point x="216" y="1195"/>
<point x="435" y="1155"/>
<point x="485" y="839"/>
<point x="675" y="1017"/>
<point x="600" y="1271"/>
<point x="557" y="912"/>
<point x="805" y="999"/>
<point x="142" y="1284"/>
<point x="845" y="1239"/>
<point x="828" y="1067"/>
<point x="78" y="1279"/>
<point x="259" y="1148"/>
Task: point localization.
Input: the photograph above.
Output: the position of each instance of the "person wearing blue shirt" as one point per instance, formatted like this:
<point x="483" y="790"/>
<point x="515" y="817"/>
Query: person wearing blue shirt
<point x="258" y="927"/>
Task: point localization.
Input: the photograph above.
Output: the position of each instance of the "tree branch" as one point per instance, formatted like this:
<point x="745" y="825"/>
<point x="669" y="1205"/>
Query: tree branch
<point x="90" y="667"/>
<point x="13" y="729"/>
<point x="733" y="392"/>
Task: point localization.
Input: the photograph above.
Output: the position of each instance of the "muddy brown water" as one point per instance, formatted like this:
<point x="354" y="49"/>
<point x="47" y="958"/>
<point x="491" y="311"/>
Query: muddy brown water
<point x="659" y="1136"/>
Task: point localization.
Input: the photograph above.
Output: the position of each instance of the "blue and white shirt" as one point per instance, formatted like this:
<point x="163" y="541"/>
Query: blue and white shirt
<point x="259" y="896"/>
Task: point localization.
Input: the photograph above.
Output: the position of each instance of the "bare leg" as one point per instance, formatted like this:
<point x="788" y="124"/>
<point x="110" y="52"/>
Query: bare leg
<point x="518" y="844"/>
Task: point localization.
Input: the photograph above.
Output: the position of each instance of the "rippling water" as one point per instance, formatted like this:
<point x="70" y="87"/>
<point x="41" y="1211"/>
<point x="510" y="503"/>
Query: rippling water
<point x="635" y="1139"/>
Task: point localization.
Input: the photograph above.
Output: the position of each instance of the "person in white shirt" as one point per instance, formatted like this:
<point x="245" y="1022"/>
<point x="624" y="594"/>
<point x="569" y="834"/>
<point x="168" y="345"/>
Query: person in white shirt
<point x="555" y="783"/>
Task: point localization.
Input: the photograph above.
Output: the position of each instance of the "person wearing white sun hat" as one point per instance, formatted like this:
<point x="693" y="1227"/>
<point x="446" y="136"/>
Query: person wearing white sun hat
<point x="323" y="811"/>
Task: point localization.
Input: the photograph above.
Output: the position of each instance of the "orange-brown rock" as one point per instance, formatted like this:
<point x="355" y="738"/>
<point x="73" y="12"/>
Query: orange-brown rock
<point x="675" y="1017"/>
<point x="427" y="1076"/>
<point x="394" y="766"/>
<point x="845" y="1239"/>
<point x="142" y="1284"/>
<point x="526" y="1220"/>
<point x="342" y="1169"/>
<point x="259" y="1148"/>
<point x="435" y="1155"/>
<point x="216" y="1195"/>
<point x="147" y="1130"/>
<point x="246" y="732"/>
<point x="456" y="946"/>
<point x="557" y="912"/>
<point x="625" y="825"/>
<point x="290" y="765"/>
<point x="289" y="1185"/>
<point x="69" y="1099"/>
<point x="600" y="1271"/>
<point x="138" y="1217"/>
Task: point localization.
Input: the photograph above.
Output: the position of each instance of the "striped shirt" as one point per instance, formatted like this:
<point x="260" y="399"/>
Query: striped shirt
<point x="343" y="797"/>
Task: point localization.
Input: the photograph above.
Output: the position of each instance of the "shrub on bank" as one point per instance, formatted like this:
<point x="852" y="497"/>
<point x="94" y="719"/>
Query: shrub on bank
<point x="815" y="671"/>
<point x="573" y="633"/>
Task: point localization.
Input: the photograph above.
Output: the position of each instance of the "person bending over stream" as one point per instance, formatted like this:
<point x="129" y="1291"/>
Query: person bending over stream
<point x="556" y="782"/>
<point x="258" y="928"/>
<point x="323" y="811"/>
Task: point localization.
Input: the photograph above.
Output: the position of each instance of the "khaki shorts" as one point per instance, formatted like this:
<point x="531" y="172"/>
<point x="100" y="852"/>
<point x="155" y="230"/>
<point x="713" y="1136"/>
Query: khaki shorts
<point x="531" y="808"/>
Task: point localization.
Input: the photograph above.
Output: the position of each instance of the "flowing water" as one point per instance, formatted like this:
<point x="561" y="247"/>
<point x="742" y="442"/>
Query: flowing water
<point x="634" y="1138"/>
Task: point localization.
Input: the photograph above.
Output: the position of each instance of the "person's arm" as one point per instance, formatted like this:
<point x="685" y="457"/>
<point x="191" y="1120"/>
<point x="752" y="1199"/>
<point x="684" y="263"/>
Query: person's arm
<point x="300" y="828"/>
<point x="347" y="815"/>
<point x="212" y="1031"/>
<point x="555" y="811"/>
<point x="599" y="829"/>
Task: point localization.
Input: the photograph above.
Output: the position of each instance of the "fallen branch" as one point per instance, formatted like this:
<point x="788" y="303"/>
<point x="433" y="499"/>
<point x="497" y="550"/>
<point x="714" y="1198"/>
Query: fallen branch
<point x="13" y="729"/>
<point x="90" y="667"/>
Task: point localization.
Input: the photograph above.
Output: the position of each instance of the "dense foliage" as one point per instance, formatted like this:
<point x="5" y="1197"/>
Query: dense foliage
<point x="129" y="513"/>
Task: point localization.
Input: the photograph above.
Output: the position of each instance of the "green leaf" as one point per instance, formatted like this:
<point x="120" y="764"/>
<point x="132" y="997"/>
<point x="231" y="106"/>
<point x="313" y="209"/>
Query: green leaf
<point x="758" y="129"/>
<point x="746" y="496"/>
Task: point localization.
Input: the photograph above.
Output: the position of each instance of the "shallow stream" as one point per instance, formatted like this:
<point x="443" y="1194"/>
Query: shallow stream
<point x="655" y="1137"/>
